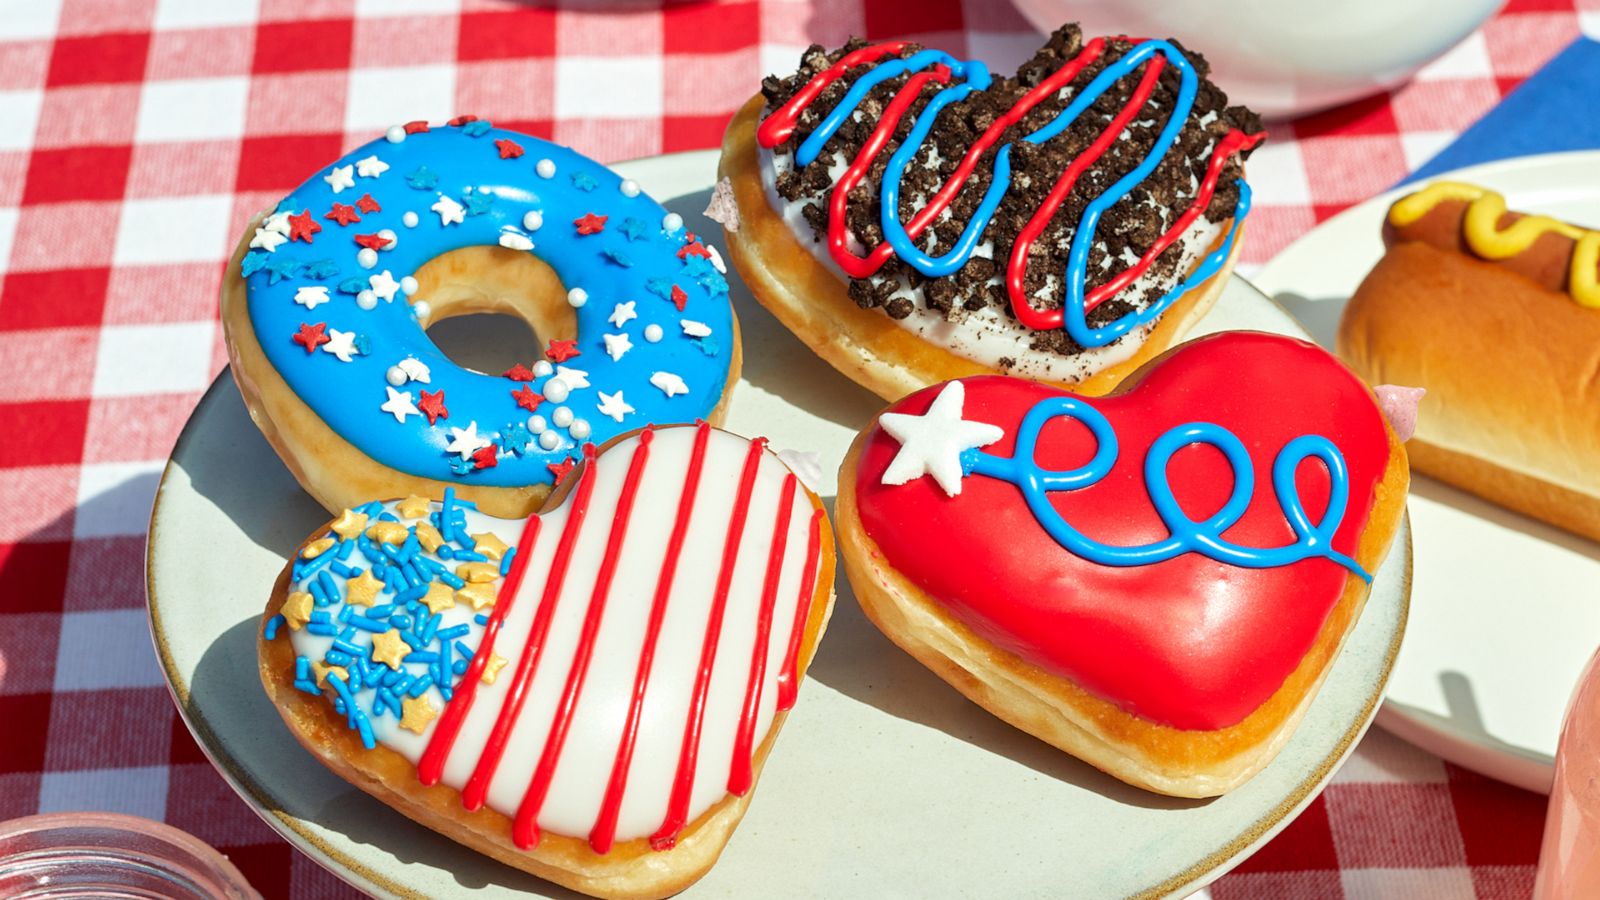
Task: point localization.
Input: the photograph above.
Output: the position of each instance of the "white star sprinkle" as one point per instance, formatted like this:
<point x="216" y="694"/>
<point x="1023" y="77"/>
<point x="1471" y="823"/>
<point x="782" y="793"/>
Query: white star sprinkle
<point x="340" y="178"/>
<point x="932" y="443"/>
<point x="513" y="241"/>
<point x="670" y="384"/>
<point x="415" y="369"/>
<point x="465" y="441"/>
<point x="449" y="210"/>
<point x="371" y="167"/>
<point x="277" y="222"/>
<point x="695" y="329"/>
<point x="267" y="239"/>
<point x="311" y="296"/>
<point x="574" y="378"/>
<point x="621" y="313"/>
<point x="384" y="285"/>
<point x="613" y="405"/>
<point x="616" y="345"/>
<point x="341" y="344"/>
<point x="400" y="405"/>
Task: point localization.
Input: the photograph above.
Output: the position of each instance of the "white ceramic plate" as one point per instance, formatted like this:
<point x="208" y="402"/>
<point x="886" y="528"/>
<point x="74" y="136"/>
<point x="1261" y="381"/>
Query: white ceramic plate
<point x="1507" y="608"/>
<point x="885" y="782"/>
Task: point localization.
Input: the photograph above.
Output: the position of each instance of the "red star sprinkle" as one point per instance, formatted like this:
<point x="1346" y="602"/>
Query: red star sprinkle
<point x="302" y="227"/>
<point x="561" y="351"/>
<point x="508" y="149"/>
<point x="679" y="298"/>
<point x="343" y="213"/>
<point x="416" y="126"/>
<point x="527" y="398"/>
<point x="484" y="457"/>
<point x="518" y="372"/>
<point x="372" y="241"/>
<point x="694" y="247"/>
<point x="462" y="120"/>
<point x="432" y="405"/>
<point x="312" y="336"/>
<point x="590" y="224"/>
<point x="368" y="205"/>
<point x="561" y="469"/>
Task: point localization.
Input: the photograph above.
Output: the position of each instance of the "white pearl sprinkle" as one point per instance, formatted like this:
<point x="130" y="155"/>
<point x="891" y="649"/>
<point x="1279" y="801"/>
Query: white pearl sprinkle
<point x="546" y="168"/>
<point x="629" y="187"/>
<point x="652" y="333"/>
<point x="395" y="376"/>
<point x="579" y="429"/>
<point x="367" y="300"/>
<point x="542" y="368"/>
<point x="536" y="424"/>
<point x="549" y="440"/>
<point x="671" y="222"/>
<point x="395" y="134"/>
<point x="562" y="417"/>
<point x="410" y="218"/>
<point x="367" y="258"/>
<point x="409" y="285"/>
<point x="556" y="390"/>
<point x="532" y="220"/>
<point x="389" y="237"/>
<point x="577" y="297"/>
<point x="422" y="309"/>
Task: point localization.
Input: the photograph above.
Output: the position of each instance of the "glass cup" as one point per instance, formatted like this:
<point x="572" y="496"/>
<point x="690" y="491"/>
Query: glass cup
<point x="1569" y="862"/>
<point x="61" y="856"/>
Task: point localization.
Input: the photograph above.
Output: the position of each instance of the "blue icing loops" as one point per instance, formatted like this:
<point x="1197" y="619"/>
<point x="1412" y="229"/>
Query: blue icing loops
<point x="483" y="198"/>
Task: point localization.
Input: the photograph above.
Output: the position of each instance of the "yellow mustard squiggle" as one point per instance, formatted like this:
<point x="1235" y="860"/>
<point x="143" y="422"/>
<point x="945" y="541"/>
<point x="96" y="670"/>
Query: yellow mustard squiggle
<point x="1488" y="240"/>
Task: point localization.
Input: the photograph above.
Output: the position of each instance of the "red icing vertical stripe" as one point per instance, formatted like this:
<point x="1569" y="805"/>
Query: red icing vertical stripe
<point x="778" y="126"/>
<point x="789" y="675"/>
<point x="431" y="766"/>
<point x="605" y="826"/>
<point x="678" y="806"/>
<point x="525" y="829"/>
<point x="478" y="785"/>
<point x="741" y="773"/>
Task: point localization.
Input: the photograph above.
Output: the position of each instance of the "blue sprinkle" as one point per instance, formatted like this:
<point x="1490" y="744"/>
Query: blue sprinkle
<point x="403" y="683"/>
<point x="452" y="579"/>
<point x="336" y="658"/>
<point x="252" y="263"/>
<point x="422" y="657"/>
<point x="391" y="677"/>
<point x="313" y="565"/>
<point x="270" y="632"/>
<point x="464" y="504"/>
<point x="338" y="706"/>
<point x="634" y="229"/>
<point x="322" y="269"/>
<point x="365" y="728"/>
<point x="416" y="643"/>
<point x="476" y="128"/>
<point x="462" y="538"/>
<point x="307" y="685"/>
<point x="444" y="663"/>
<point x="420" y="686"/>
<point x="422" y="179"/>
<point x="318" y="595"/>
<point x="505" y="561"/>
<point x="281" y="267"/>
<point x="446" y="691"/>
<point x="481" y="619"/>
<point x="477" y="203"/>
<point x="401" y="621"/>
<point x="329" y="587"/>
<point x="450" y="634"/>
<point x="618" y="258"/>
<point x="345" y="548"/>
<point x="342" y="570"/>
<point x="382" y="611"/>
<point x="366" y="624"/>
<point x="411" y="593"/>
<point x="362" y="345"/>
<point x="583" y="181"/>
<point x="345" y="646"/>
<point x="345" y="612"/>
<point x="446" y="524"/>
<point x="661" y="287"/>
<point x="471" y="556"/>
<point x="464" y="650"/>
<point x="412" y="578"/>
<point x="302" y="667"/>
<point x="432" y="626"/>
<point x="460" y="668"/>
<point x="371" y="509"/>
<point x="321" y="629"/>
<point x="388" y="517"/>
<point x="321" y="616"/>
<point x="352" y="285"/>
<point x="459" y="466"/>
<point x="445" y="552"/>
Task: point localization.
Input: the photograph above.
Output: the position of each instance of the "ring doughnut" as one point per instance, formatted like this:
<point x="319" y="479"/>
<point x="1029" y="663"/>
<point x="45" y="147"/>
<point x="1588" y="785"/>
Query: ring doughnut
<point x="326" y="300"/>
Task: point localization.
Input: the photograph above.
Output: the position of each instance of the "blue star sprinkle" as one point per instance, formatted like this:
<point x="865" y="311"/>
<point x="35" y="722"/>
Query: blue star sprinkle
<point x="476" y="128"/>
<point x="280" y="268"/>
<point x="583" y="181"/>
<point x="322" y="269"/>
<point x="423" y="179"/>
<point x="618" y="258"/>
<point x="635" y="229"/>
<point x="363" y="344"/>
<point x="516" y="438"/>
<point x="461" y="466"/>
<point x="253" y="262"/>
<point x="661" y="287"/>
<point x="705" y="275"/>
<point x="352" y="285"/>
<point x="477" y="202"/>
<point x="708" y="345"/>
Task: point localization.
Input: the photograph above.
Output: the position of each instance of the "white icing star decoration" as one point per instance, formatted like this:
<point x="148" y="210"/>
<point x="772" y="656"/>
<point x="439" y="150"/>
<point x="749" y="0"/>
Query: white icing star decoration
<point x="670" y="384"/>
<point x="383" y="284"/>
<point x="616" y="345"/>
<point x="449" y="210"/>
<point x="932" y="443"/>
<point x="613" y="405"/>
<point x="621" y="313"/>
<point x="466" y="441"/>
<point x="371" y="167"/>
<point x="400" y="405"/>
<point x="341" y="344"/>
<point x="267" y="239"/>
<point x="695" y="329"/>
<point x="415" y="369"/>
<point x="574" y="378"/>
<point x="340" y="178"/>
<point x="311" y="296"/>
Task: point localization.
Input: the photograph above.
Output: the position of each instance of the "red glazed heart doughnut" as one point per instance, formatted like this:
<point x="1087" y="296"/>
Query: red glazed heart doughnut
<point x="1175" y="648"/>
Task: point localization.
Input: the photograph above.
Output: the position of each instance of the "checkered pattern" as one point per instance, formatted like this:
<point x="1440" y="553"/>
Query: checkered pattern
<point x="137" y="136"/>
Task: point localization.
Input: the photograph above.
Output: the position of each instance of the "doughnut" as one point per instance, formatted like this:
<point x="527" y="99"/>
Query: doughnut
<point x="1155" y="581"/>
<point x="588" y="694"/>
<point x="1497" y="315"/>
<point x="326" y="299"/>
<point x="914" y="219"/>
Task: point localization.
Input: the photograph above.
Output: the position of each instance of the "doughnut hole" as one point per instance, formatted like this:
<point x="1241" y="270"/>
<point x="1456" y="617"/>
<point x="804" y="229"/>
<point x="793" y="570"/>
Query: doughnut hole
<point x="481" y="287"/>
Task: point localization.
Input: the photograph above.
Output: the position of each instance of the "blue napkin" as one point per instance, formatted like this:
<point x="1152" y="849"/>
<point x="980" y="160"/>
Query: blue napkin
<point x="1557" y="108"/>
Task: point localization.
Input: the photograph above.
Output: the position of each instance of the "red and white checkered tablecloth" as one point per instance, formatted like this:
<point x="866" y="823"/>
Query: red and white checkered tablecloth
<point x="136" y="138"/>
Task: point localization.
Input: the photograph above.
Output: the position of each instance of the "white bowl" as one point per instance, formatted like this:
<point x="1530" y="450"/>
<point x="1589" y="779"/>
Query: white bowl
<point x="1286" y="58"/>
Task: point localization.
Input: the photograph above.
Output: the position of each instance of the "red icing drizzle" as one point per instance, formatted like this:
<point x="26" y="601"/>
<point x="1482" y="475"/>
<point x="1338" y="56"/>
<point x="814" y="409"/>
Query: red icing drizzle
<point x="741" y="773"/>
<point x="1189" y="642"/>
<point x="678" y="805"/>
<point x="789" y="676"/>
<point x="776" y="128"/>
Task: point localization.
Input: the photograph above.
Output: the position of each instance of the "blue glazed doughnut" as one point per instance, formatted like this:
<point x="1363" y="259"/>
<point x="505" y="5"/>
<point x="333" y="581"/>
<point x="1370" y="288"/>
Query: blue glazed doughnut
<point x="332" y="304"/>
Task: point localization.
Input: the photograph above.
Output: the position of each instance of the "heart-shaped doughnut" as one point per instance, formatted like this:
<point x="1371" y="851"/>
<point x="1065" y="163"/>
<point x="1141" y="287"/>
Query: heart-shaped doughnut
<point x="1155" y="581"/>
<point x="588" y="694"/>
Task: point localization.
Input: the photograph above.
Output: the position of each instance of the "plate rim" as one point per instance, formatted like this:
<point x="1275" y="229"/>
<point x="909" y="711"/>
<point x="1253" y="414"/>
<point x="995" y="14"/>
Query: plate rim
<point x="351" y="870"/>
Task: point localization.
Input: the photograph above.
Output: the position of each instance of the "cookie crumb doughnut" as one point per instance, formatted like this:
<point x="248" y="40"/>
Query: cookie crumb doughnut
<point x="915" y="219"/>
<point x="655" y="619"/>
<point x="326" y="299"/>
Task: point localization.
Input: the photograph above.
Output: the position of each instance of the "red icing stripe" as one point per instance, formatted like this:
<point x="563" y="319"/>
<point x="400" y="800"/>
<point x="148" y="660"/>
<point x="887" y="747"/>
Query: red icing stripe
<point x="776" y="128"/>
<point x="605" y="826"/>
<point x="525" y="829"/>
<point x="742" y="772"/>
<point x="678" y="806"/>
<point x="448" y="728"/>
<point x="789" y="676"/>
<point x="478" y="785"/>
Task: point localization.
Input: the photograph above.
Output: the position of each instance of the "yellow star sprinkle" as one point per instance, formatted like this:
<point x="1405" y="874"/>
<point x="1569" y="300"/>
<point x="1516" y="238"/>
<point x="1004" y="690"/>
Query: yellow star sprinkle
<point x="491" y="669"/>
<point x="362" y="589"/>
<point x="349" y="524"/>
<point x="438" y="597"/>
<point x="296" y="610"/>
<point x="413" y="507"/>
<point x="490" y="545"/>
<point x="429" y="537"/>
<point x="416" y="713"/>
<point x="388" y="532"/>
<point x="323" y="670"/>
<point x="316" y="548"/>
<point x="477" y="572"/>
<point x="479" y="595"/>
<point x="389" y="649"/>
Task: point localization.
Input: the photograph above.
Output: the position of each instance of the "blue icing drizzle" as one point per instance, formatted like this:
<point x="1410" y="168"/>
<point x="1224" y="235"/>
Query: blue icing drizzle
<point x="632" y="258"/>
